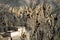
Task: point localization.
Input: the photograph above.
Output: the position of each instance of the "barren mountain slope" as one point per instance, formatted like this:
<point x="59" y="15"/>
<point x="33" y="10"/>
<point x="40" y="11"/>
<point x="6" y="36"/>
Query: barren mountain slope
<point x="41" y="18"/>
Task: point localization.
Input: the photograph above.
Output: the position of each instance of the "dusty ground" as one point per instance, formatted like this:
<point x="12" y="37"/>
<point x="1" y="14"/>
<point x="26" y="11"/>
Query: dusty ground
<point x="36" y="16"/>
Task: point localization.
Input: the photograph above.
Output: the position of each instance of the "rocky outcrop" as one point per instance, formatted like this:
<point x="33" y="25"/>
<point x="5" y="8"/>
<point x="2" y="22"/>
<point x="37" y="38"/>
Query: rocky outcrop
<point x="41" y="18"/>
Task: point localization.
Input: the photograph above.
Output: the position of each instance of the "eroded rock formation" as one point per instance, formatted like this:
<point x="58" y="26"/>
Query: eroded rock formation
<point x="34" y="15"/>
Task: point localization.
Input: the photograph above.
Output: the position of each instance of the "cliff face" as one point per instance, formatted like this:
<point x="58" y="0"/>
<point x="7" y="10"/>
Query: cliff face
<point x="36" y="16"/>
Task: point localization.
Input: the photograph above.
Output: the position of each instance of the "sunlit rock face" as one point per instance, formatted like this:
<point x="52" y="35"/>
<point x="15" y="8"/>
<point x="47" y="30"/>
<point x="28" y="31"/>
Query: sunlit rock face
<point x="34" y="16"/>
<point x="20" y="34"/>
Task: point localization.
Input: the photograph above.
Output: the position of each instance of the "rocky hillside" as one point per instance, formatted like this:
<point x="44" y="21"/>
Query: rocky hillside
<point x="41" y="18"/>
